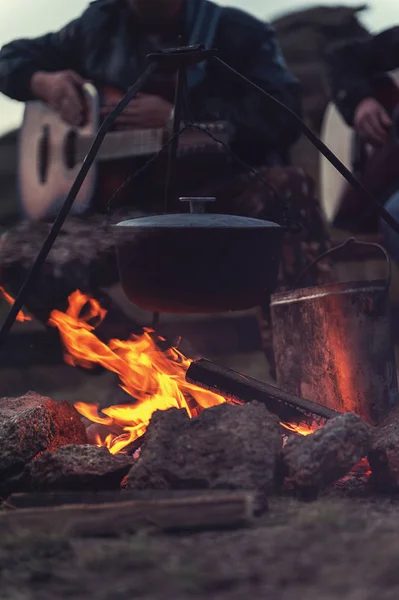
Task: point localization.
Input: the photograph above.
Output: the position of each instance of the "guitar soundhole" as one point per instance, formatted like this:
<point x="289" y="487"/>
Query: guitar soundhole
<point x="70" y="149"/>
<point x="43" y="154"/>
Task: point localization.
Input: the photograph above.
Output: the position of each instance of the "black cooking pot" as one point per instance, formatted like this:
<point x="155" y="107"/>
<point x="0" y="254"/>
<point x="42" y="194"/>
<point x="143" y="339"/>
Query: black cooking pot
<point x="198" y="263"/>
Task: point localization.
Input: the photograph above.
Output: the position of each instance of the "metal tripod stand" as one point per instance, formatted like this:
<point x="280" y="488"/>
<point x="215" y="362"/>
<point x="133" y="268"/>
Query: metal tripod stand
<point x="179" y="59"/>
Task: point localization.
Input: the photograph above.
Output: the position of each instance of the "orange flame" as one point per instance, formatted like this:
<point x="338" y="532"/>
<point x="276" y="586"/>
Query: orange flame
<point x="154" y="378"/>
<point x="21" y="317"/>
<point x="301" y="429"/>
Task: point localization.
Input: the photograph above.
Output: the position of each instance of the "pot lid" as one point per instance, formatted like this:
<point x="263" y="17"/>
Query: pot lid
<point x="209" y="221"/>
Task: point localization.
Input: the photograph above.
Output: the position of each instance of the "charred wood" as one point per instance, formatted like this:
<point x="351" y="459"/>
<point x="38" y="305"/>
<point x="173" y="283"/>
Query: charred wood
<point x="238" y="387"/>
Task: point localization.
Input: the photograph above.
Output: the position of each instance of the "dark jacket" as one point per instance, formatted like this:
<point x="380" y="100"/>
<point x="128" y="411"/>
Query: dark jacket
<point x="353" y="68"/>
<point x="102" y="46"/>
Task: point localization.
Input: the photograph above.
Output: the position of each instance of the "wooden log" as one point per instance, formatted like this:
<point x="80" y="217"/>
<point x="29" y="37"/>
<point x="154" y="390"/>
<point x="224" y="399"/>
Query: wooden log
<point x="46" y="499"/>
<point x="200" y="512"/>
<point x="240" y="388"/>
<point x="82" y="257"/>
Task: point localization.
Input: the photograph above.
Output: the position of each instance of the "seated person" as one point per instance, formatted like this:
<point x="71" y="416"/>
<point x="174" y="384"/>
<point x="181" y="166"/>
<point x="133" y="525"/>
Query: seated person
<point x="367" y="97"/>
<point x="107" y="46"/>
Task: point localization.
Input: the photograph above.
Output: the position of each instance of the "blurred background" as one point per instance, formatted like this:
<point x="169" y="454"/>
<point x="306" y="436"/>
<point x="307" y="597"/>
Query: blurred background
<point x="19" y="18"/>
<point x="304" y="32"/>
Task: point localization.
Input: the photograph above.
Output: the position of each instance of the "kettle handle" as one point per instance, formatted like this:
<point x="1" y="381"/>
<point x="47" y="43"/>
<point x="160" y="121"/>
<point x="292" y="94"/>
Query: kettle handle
<point x="197" y="203"/>
<point x="347" y="242"/>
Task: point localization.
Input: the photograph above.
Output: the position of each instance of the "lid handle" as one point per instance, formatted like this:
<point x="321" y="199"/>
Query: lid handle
<point x="197" y="203"/>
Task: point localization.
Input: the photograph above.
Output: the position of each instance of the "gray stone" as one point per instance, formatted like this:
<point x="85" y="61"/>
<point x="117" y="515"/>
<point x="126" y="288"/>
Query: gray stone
<point x="32" y="424"/>
<point x="77" y="468"/>
<point x="384" y="454"/>
<point x="225" y="447"/>
<point x="315" y="461"/>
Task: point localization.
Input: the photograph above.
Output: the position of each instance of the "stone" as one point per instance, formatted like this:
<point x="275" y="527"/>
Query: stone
<point x="320" y="459"/>
<point x="77" y="468"/>
<point x="226" y="447"/>
<point x="384" y="454"/>
<point x="32" y="424"/>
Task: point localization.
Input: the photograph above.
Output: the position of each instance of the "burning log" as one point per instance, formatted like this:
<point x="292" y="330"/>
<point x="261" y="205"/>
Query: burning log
<point x="225" y="447"/>
<point x="203" y="511"/>
<point x="32" y="424"/>
<point x="77" y="468"/>
<point x="235" y="386"/>
<point x="318" y="460"/>
<point x="384" y="454"/>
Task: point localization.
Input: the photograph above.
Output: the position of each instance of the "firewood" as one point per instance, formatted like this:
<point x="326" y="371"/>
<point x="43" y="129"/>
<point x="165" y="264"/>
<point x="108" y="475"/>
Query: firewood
<point x="238" y="387"/>
<point x="45" y="499"/>
<point x="82" y="258"/>
<point x="200" y="512"/>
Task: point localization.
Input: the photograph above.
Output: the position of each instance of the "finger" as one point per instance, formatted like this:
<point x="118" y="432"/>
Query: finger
<point x="72" y="106"/>
<point x="372" y="133"/>
<point x="72" y="96"/>
<point x="380" y="129"/>
<point x="385" y="119"/>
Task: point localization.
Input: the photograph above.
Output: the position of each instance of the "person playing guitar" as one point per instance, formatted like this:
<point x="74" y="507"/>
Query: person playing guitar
<point x="107" y="46"/>
<point x="368" y="99"/>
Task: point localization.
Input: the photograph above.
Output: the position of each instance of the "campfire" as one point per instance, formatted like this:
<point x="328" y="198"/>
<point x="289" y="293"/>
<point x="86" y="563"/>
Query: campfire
<point x="198" y="426"/>
<point x="153" y="376"/>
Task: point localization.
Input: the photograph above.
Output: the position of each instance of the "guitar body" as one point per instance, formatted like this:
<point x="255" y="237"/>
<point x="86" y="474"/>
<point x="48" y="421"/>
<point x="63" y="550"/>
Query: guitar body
<point x="46" y="167"/>
<point x="377" y="168"/>
<point x="51" y="153"/>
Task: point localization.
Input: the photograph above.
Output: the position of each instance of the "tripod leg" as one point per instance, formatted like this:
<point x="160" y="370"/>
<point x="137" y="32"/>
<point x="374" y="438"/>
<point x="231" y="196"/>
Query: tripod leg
<point x="66" y="207"/>
<point x="170" y="189"/>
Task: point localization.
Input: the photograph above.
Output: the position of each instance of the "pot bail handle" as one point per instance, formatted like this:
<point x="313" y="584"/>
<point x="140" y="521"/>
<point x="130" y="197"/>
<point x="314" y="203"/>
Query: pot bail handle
<point x="197" y="203"/>
<point x="347" y="242"/>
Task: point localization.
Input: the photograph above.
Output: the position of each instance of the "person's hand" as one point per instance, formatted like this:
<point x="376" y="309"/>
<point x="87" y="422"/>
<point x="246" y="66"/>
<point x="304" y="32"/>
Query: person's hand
<point x="372" y="121"/>
<point x="145" y="111"/>
<point x="62" y="90"/>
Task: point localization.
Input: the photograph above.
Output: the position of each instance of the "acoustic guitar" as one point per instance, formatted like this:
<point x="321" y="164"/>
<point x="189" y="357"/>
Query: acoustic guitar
<point x="377" y="168"/>
<point x="51" y="153"/>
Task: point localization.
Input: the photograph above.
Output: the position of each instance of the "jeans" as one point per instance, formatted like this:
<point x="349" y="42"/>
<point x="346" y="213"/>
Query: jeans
<point x="390" y="236"/>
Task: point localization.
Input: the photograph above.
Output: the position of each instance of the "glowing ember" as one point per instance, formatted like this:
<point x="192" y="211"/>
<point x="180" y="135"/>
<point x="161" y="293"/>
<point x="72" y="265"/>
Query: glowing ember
<point x="154" y="378"/>
<point x="300" y="429"/>
<point x="21" y="317"/>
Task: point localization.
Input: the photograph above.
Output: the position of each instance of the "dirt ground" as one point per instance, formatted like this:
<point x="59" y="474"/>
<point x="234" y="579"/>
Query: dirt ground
<point x="337" y="548"/>
<point x="334" y="548"/>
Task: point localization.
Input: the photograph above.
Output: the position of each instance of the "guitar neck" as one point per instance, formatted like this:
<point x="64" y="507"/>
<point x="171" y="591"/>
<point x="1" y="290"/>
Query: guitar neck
<point x="144" y="142"/>
<point x="124" y="144"/>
